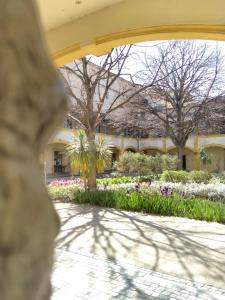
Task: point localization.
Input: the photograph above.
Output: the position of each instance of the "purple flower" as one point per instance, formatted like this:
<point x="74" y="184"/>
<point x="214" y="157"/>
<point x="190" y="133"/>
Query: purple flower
<point x="137" y="187"/>
<point x="166" y="191"/>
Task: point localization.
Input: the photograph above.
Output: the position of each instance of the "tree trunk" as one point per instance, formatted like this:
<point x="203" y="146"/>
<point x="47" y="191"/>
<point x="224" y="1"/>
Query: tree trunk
<point x="31" y="106"/>
<point x="91" y="180"/>
<point x="92" y="184"/>
<point x="180" y="152"/>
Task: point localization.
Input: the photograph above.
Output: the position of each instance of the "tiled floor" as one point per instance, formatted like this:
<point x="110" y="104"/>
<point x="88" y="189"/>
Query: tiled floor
<point x="84" y="276"/>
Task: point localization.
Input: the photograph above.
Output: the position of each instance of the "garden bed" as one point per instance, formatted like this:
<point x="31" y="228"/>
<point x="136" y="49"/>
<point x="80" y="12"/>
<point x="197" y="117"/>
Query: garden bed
<point x="203" y="201"/>
<point x="154" y="203"/>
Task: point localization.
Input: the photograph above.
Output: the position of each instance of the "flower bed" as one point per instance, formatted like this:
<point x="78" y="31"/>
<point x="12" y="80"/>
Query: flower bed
<point x="64" y="189"/>
<point x="212" y="191"/>
<point x="155" y="203"/>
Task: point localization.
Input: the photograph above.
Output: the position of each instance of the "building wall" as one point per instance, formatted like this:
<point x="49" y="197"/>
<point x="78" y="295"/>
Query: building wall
<point x="190" y="158"/>
<point x="218" y="160"/>
<point x="48" y="158"/>
<point x="214" y="144"/>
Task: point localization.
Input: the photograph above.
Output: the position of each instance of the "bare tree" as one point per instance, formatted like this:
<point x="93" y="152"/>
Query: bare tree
<point x="100" y="92"/>
<point x="214" y="121"/>
<point x="190" y="78"/>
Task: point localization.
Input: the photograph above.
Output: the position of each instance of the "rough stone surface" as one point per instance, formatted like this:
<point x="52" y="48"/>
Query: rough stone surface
<point x="32" y="105"/>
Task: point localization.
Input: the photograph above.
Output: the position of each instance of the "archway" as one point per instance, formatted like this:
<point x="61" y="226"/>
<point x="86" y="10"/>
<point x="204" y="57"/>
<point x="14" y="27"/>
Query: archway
<point x="55" y="160"/>
<point x="73" y="31"/>
<point x="33" y="86"/>
<point x="115" y="155"/>
<point x="189" y="160"/>
<point x="217" y="163"/>
<point x="130" y="150"/>
<point x="152" y="151"/>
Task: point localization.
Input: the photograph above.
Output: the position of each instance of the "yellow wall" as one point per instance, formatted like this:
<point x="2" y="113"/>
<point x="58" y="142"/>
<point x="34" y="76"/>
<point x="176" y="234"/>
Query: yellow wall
<point x="132" y="21"/>
<point x="152" y="152"/>
<point x="218" y="160"/>
<point x="190" y="158"/>
<point x="215" y="144"/>
<point x="48" y="157"/>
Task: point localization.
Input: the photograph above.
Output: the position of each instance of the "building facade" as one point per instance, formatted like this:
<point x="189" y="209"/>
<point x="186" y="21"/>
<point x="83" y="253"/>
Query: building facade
<point x="56" y="161"/>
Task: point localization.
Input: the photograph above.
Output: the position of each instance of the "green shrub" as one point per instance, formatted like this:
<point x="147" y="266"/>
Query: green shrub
<point x="184" y="177"/>
<point x="116" y="180"/>
<point x="141" y="164"/>
<point x="175" y="176"/>
<point x="159" y="163"/>
<point x="126" y="179"/>
<point x="147" y="178"/>
<point x="132" y="163"/>
<point x="155" y="203"/>
<point x="220" y="176"/>
<point x="200" y="176"/>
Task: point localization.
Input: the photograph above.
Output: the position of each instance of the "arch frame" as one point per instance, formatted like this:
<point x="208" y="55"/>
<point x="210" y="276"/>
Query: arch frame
<point x="100" y="45"/>
<point x="153" y="148"/>
<point x="208" y="146"/>
<point x="132" y="149"/>
<point x="58" y="141"/>
<point x="185" y="148"/>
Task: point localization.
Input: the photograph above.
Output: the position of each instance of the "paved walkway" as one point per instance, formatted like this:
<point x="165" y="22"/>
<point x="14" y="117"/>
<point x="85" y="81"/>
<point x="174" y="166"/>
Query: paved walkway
<point x="110" y="254"/>
<point x="89" y="277"/>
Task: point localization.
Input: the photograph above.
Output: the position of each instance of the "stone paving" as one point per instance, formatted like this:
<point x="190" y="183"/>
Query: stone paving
<point x="78" y="275"/>
<point x="185" y="248"/>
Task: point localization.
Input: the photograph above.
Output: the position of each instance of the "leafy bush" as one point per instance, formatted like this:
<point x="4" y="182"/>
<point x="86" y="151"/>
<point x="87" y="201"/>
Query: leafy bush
<point x="132" y="163"/>
<point x="159" y="163"/>
<point x="141" y="164"/>
<point x="184" y="177"/>
<point x="126" y="179"/>
<point x="219" y="176"/>
<point x="116" y="180"/>
<point x="175" y="176"/>
<point x="200" y="176"/>
<point x="205" y="157"/>
<point x="155" y="203"/>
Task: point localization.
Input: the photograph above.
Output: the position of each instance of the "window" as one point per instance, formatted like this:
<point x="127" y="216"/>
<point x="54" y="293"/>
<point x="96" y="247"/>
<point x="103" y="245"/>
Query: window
<point x="68" y="124"/>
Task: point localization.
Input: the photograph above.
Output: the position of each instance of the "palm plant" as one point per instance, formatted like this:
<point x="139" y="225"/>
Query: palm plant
<point x="205" y="157"/>
<point x="88" y="157"/>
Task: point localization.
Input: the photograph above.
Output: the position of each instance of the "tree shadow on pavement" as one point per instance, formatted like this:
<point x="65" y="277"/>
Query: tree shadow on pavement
<point x="118" y="235"/>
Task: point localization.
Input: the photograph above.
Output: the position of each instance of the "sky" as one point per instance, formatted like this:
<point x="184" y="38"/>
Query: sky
<point x="140" y="48"/>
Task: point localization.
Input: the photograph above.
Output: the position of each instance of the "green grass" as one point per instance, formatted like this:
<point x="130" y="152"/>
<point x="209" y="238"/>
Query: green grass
<point x="155" y="203"/>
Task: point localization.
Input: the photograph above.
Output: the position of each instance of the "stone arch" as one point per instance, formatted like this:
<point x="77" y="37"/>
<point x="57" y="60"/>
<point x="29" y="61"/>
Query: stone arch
<point x="214" y="145"/>
<point x="116" y="152"/>
<point x="164" y="32"/>
<point x="58" y="141"/>
<point x="97" y="32"/>
<point x="152" y="150"/>
<point x="217" y="163"/>
<point x="130" y="149"/>
<point x="190" y="160"/>
<point x="55" y="159"/>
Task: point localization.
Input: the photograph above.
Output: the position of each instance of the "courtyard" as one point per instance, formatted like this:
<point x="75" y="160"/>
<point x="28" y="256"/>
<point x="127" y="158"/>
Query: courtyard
<point x="104" y="253"/>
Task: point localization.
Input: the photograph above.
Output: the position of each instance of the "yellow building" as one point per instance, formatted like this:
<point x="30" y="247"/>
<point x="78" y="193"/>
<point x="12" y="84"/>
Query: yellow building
<point x="57" y="163"/>
<point x="73" y="31"/>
